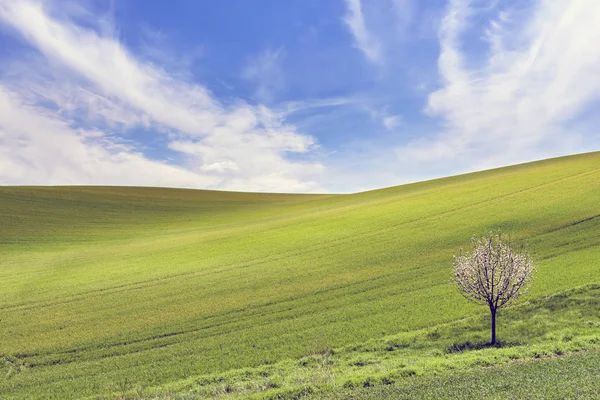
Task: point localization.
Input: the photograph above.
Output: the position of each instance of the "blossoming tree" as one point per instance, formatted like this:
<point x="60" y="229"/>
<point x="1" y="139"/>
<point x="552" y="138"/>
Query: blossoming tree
<point x="493" y="274"/>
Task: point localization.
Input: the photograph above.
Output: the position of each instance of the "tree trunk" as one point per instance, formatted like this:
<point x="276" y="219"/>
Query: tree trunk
<point x="493" y="310"/>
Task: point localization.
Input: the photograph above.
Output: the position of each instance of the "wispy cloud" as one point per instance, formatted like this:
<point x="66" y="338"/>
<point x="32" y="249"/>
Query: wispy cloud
<point x="542" y="70"/>
<point x="392" y="121"/>
<point x="266" y="72"/>
<point x="38" y="147"/>
<point x="515" y="81"/>
<point x="405" y="14"/>
<point x="292" y="107"/>
<point x="365" y="40"/>
<point x="382" y="116"/>
<point x="90" y="73"/>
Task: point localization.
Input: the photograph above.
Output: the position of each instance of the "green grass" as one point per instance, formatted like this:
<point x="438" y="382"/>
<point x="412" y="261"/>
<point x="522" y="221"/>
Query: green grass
<point x="163" y="291"/>
<point x="574" y="376"/>
<point x="551" y="326"/>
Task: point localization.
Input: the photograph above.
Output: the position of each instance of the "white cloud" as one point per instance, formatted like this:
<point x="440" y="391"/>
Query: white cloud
<point x="365" y="40"/>
<point x="39" y="148"/>
<point x="89" y="74"/>
<point x="531" y="94"/>
<point x="541" y="72"/>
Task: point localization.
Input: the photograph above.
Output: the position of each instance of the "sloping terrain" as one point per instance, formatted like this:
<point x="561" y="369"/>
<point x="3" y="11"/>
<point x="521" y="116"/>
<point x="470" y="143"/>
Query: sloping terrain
<point x="115" y="290"/>
<point x="573" y="376"/>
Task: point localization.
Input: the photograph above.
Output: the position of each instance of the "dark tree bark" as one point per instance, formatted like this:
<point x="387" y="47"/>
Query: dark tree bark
<point x="493" y="310"/>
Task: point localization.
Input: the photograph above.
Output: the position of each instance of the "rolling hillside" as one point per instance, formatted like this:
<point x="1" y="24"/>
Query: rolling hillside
<point x="109" y="290"/>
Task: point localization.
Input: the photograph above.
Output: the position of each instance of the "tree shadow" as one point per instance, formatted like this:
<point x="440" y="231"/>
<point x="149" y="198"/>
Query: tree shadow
<point x="469" y="346"/>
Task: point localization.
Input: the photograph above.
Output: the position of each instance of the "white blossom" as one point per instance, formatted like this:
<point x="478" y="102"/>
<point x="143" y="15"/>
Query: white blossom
<point x="493" y="274"/>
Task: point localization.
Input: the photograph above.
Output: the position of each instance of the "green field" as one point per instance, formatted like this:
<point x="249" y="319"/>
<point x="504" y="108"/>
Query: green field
<point x="570" y="377"/>
<point x="164" y="293"/>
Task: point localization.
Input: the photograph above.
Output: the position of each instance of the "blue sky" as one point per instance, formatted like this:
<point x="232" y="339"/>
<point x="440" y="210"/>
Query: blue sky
<point x="291" y="96"/>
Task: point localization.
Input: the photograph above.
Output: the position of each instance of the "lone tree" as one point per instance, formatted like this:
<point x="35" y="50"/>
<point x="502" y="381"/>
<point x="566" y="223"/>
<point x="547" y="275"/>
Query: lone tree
<point x="492" y="274"/>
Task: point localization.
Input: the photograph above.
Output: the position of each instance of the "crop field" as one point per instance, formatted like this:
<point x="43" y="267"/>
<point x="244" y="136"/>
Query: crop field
<point x="120" y="292"/>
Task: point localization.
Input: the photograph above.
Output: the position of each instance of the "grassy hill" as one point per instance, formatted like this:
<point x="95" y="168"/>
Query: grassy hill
<point x="151" y="292"/>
